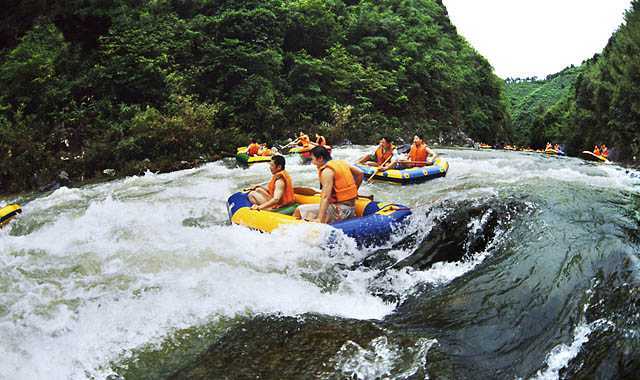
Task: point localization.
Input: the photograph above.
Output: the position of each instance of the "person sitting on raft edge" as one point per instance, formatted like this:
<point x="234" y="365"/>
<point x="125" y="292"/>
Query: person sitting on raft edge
<point x="339" y="182"/>
<point x="303" y="140"/>
<point x="253" y="148"/>
<point x="278" y="193"/>
<point x="264" y="151"/>
<point x="381" y="156"/>
<point x="418" y="155"/>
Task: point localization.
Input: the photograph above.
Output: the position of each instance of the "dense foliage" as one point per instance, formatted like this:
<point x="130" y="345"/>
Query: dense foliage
<point x="603" y="104"/>
<point x="127" y="84"/>
<point x="531" y="98"/>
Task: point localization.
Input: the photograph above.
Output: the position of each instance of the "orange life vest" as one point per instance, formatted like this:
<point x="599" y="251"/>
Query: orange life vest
<point x="321" y="141"/>
<point x="605" y="152"/>
<point x="288" y="196"/>
<point x="596" y="151"/>
<point x="304" y="141"/>
<point x="253" y="149"/>
<point x="344" y="186"/>
<point x="418" y="153"/>
<point x="265" y="152"/>
<point x="381" y="157"/>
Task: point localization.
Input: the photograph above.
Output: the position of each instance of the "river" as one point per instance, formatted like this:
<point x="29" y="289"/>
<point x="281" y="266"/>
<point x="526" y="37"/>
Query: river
<point x="514" y="266"/>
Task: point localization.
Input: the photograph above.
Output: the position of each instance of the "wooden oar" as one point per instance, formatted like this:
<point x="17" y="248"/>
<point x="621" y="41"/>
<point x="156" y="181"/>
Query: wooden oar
<point x="426" y="163"/>
<point x="310" y="191"/>
<point x="378" y="169"/>
<point x="250" y="188"/>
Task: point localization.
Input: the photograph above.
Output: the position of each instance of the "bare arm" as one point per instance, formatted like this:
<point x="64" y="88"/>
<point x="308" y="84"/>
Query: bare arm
<point x="364" y="159"/>
<point x="326" y="180"/>
<point x="358" y="175"/>
<point x="431" y="154"/>
<point x="277" y="195"/>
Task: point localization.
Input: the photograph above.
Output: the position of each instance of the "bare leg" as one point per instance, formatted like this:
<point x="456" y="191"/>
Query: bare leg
<point x="258" y="197"/>
<point x="307" y="212"/>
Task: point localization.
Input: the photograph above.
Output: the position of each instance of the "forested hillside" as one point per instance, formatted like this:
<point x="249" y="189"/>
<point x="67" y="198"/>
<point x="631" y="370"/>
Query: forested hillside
<point x="87" y="85"/>
<point x="531" y="98"/>
<point x="602" y="105"/>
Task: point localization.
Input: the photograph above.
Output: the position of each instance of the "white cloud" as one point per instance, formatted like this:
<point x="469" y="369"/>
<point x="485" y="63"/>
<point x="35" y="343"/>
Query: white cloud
<point x="523" y="38"/>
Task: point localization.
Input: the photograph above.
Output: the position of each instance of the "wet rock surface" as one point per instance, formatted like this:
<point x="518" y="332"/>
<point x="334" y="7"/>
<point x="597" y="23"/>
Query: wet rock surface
<point x="279" y="348"/>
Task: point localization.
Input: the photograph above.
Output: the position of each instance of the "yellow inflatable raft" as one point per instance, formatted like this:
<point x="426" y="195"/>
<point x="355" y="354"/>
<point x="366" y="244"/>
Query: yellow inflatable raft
<point x="374" y="223"/>
<point x="243" y="158"/>
<point x="9" y="212"/>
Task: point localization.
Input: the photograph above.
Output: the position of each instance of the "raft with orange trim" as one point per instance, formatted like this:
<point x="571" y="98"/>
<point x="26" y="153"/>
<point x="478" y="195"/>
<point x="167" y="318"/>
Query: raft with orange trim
<point x="9" y="212"/>
<point x="375" y="221"/>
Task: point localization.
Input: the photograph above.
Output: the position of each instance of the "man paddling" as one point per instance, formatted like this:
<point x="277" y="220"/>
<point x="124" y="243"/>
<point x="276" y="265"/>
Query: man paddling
<point x="381" y="156"/>
<point x="279" y="191"/>
<point x="339" y="182"/>
<point x="419" y="155"/>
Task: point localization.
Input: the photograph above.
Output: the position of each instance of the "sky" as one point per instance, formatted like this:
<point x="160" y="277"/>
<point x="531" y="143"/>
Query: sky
<point x="525" y="38"/>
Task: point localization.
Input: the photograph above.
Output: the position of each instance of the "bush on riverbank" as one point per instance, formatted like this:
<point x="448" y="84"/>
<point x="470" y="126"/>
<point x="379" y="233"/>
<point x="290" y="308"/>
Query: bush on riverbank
<point x="92" y="85"/>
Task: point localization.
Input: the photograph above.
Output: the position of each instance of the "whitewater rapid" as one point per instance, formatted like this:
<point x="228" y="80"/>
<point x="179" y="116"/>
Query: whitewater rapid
<point x="88" y="275"/>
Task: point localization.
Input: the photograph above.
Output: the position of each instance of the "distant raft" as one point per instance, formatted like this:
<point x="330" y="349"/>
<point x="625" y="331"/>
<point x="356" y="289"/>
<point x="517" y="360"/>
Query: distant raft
<point x="243" y="157"/>
<point x="590" y="156"/>
<point x="486" y="146"/>
<point x="557" y="152"/>
<point x="375" y="221"/>
<point x="410" y="175"/>
<point x="9" y="212"/>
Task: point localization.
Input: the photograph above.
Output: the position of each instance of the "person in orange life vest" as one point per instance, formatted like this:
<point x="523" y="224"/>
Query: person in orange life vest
<point x="339" y="182"/>
<point x="380" y="156"/>
<point x="253" y="148"/>
<point x="596" y="150"/>
<point x="548" y="146"/>
<point x="604" y="151"/>
<point x="320" y="140"/>
<point x="303" y="140"/>
<point x="279" y="191"/>
<point x="264" y="151"/>
<point x="418" y="155"/>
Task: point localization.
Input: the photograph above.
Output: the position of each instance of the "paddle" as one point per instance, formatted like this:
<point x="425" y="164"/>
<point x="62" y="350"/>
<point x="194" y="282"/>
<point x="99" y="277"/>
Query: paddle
<point x="310" y="191"/>
<point x="426" y="163"/>
<point x="378" y="169"/>
<point x="253" y="187"/>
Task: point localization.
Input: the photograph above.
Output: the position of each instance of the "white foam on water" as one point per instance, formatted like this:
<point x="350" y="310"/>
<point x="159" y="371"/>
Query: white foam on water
<point x="562" y="354"/>
<point x="107" y="268"/>
<point x="115" y="272"/>
<point x="405" y="281"/>
<point x="382" y="359"/>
